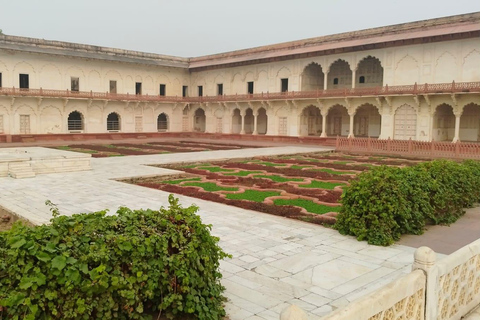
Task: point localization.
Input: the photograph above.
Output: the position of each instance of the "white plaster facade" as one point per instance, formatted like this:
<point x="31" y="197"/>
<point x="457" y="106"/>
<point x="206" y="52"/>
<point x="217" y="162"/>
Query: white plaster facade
<point x="438" y="51"/>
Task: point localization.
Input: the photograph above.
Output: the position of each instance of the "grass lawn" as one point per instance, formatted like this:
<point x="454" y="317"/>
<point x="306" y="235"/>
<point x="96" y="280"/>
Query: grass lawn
<point x="333" y="171"/>
<point x="271" y="164"/>
<point x="242" y="173"/>
<point x="210" y="186"/>
<point x="178" y="181"/>
<point x="277" y="178"/>
<point x="299" y="167"/>
<point x="308" y="205"/>
<point x="342" y="162"/>
<point x="321" y="185"/>
<point x="252" y="195"/>
<point x="214" y="169"/>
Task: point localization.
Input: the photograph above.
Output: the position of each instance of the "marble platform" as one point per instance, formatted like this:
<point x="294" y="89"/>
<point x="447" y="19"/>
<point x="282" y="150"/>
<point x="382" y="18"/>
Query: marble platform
<point x="27" y="162"/>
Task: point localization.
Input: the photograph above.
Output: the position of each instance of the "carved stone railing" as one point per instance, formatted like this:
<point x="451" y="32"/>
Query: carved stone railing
<point x="411" y="148"/>
<point x="439" y="88"/>
<point x="448" y="289"/>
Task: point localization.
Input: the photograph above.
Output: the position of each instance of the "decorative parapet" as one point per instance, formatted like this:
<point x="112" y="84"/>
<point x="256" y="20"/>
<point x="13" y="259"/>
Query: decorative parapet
<point x="445" y="290"/>
<point x="402" y="299"/>
<point x="415" y="89"/>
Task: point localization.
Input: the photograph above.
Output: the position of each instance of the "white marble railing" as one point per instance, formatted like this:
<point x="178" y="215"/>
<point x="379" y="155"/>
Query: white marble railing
<point x="445" y="290"/>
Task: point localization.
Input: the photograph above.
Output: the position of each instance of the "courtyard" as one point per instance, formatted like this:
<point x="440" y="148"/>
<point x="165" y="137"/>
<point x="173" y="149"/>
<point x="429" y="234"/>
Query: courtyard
<point x="276" y="261"/>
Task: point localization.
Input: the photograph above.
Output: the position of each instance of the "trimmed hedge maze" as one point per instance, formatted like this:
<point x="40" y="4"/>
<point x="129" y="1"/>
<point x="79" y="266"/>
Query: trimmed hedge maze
<point x="307" y="187"/>
<point x="133" y="149"/>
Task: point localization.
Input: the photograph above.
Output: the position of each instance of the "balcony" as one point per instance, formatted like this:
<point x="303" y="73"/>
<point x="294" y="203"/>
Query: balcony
<point x="415" y="89"/>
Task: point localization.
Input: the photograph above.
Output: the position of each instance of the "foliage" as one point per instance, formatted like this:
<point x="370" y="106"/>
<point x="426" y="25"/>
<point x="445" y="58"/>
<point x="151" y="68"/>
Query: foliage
<point x="178" y="181"/>
<point x="99" y="266"/>
<point x="252" y="195"/>
<point x="214" y="169"/>
<point x="277" y="178"/>
<point x="210" y="186"/>
<point x="242" y="173"/>
<point x="322" y="185"/>
<point x="308" y="205"/>
<point x="382" y="204"/>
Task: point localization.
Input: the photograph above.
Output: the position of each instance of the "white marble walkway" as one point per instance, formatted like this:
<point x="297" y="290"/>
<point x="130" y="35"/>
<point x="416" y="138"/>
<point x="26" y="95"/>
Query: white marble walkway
<point x="276" y="261"/>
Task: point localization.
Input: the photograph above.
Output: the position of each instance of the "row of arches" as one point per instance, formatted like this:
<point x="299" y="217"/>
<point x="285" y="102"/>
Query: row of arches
<point x="76" y="122"/>
<point x="368" y="73"/>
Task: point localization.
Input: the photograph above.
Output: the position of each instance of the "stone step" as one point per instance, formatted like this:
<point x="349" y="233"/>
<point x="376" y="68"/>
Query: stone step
<point x="20" y="170"/>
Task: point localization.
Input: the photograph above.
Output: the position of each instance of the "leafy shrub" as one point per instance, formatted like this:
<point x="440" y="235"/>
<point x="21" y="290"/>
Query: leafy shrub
<point x="382" y="204"/>
<point x="95" y="266"/>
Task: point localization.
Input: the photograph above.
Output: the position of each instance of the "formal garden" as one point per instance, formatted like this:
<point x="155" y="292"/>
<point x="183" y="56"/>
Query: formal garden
<point x="133" y="149"/>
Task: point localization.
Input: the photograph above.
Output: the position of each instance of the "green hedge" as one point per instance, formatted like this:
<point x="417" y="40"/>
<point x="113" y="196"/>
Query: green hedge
<point x="382" y="204"/>
<point x="98" y="266"/>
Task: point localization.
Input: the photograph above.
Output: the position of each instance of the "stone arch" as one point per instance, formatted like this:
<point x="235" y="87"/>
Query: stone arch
<point x="262" y="81"/>
<point x="338" y="121"/>
<point x="162" y="122"/>
<point x="313" y="77"/>
<point x="367" y="121"/>
<point x="238" y="85"/>
<point x="470" y="123"/>
<point x="339" y="75"/>
<point x="407" y="71"/>
<point x="236" y="121"/>
<point x="446" y="68"/>
<point x="94" y="82"/>
<point x="148" y="86"/>
<point x="50" y="120"/>
<point x="23" y="67"/>
<point x="75" y="121"/>
<point x="471" y="66"/>
<point x="443" y="123"/>
<point x="248" y="124"/>
<point x="249" y="76"/>
<point x="311" y="121"/>
<point x="283" y="72"/>
<point x="50" y="77"/>
<point x="369" y="73"/>
<point x="405" y="123"/>
<point x="114" y="122"/>
<point x="199" y="120"/>
<point x="262" y="121"/>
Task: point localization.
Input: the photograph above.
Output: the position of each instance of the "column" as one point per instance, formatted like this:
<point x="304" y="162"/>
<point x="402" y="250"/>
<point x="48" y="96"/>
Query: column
<point x="350" y="132"/>
<point x="457" y="127"/>
<point x="354" y="72"/>
<point x="242" y="116"/>
<point x="324" y="126"/>
<point x="255" y="117"/>
<point x="325" y="81"/>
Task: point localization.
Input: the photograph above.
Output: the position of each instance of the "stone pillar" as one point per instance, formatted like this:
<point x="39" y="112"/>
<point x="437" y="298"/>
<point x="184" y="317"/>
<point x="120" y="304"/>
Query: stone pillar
<point x="354" y="72"/>
<point x="424" y="259"/>
<point x="457" y="127"/>
<point x="255" y="117"/>
<point x="324" y="126"/>
<point x="350" y="132"/>
<point x="242" y="116"/>
<point x="325" y="81"/>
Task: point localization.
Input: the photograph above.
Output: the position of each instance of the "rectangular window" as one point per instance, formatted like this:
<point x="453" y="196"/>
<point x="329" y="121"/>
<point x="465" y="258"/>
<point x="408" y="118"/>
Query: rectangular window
<point x="250" y="87"/>
<point x="200" y="91"/>
<point x="24" y="83"/>
<point x="113" y="86"/>
<point x="163" y="90"/>
<point x="220" y="89"/>
<point x="74" y="84"/>
<point x="24" y="124"/>
<point x="138" y="88"/>
<point x="185" y="91"/>
<point x="284" y="85"/>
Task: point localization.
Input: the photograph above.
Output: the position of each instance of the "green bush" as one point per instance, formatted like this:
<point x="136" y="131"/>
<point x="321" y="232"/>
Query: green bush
<point x="98" y="266"/>
<point x="382" y="204"/>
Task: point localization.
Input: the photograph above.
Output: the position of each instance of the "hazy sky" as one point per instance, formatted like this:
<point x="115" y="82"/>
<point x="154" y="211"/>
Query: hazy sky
<point x="198" y="27"/>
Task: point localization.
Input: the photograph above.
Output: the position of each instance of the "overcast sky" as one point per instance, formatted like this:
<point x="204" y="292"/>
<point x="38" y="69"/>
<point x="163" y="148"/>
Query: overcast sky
<point x="190" y="28"/>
